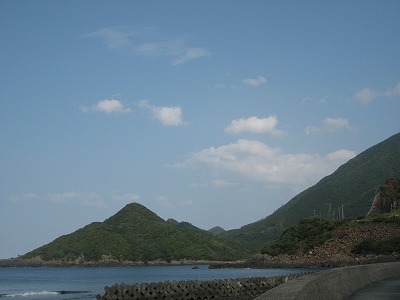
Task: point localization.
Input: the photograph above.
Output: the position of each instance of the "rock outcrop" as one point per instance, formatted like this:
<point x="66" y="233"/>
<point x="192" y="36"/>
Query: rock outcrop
<point x="387" y="198"/>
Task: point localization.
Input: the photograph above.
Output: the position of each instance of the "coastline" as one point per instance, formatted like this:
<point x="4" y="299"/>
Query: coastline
<point x="263" y="261"/>
<point x="259" y="261"/>
<point x="38" y="262"/>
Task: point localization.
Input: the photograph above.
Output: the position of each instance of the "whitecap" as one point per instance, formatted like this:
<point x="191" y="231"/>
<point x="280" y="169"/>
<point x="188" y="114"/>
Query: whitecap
<point x="29" y="294"/>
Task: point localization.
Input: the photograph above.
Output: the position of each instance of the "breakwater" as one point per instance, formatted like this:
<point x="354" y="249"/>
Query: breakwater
<point x="240" y="288"/>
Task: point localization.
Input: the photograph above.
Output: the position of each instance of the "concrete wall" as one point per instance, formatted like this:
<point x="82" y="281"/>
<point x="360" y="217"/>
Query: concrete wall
<point x="333" y="284"/>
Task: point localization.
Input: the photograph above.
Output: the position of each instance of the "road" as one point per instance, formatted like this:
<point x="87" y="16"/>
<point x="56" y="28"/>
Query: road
<point x="384" y="290"/>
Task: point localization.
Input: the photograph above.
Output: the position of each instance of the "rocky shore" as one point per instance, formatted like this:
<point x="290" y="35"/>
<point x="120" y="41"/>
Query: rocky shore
<point x="336" y="252"/>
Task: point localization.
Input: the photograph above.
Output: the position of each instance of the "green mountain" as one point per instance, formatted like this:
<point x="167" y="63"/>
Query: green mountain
<point x="137" y="234"/>
<point x="216" y="230"/>
<point x="351" y="187"/>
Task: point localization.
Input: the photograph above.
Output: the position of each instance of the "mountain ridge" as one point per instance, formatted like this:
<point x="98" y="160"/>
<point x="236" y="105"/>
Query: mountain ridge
<point x="136" y="234"/>
<point x="352" y="185"/>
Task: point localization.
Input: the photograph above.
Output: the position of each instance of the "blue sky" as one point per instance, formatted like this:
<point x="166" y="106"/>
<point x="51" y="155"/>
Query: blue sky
<point x="211" y="112"/>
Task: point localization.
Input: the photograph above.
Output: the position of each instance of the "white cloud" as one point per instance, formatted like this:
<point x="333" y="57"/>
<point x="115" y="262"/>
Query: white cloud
<point x="340" y="155"/>
<point x="106" y="106"/>
<point x="189" y="54"/>
<point x="329" y="125"/>
<point x="366" y="95"/>
<point x="259" y="162"/>
<point x="145" y="41"/>
<point x="395" y="91"/>
<point x="117" y="37"/>
<point x="167" y="115"/>
<point x="255" y="125"/>
<point x="254" y="82"/>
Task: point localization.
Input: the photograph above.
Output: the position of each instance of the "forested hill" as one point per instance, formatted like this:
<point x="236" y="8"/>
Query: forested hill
<point x="136" y="234"/>
<point x="352" y="185"/>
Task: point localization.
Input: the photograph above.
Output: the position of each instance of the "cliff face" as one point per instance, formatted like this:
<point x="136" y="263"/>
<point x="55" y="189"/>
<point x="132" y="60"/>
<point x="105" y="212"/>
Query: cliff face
<point x="387" y="198"/>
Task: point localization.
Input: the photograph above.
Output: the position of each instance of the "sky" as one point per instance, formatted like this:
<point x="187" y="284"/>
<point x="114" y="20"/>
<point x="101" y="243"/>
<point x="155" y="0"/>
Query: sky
<point x="212" y="112"/>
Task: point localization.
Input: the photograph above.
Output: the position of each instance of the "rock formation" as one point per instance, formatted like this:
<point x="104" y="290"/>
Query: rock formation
<point x="387" y="198"/>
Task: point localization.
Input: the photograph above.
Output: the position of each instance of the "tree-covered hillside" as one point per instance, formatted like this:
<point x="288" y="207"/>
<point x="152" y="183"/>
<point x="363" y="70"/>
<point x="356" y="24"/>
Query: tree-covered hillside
<point x="353" y="186"/>
<point x="137" y="234"/>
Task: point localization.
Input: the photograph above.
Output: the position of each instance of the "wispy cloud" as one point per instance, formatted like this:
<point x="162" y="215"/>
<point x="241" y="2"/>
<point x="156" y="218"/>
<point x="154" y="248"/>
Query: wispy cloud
<point x="311" y="100"/>
<point x="106" y="106"/>
<point x="119" y="37"/>
<point x="395" y="91"/>
<point x="367" y="94"/>
<point x="167" y="115"/>
<point x="330" y="125"/>
<point x="259" y="162"/>
<point x="146" y="41"/>
<point x="82" y="198"/>
<point x="254" y="82"/>
<point x="216" y="183"/>
<point x="255" y="125"/>
<point x="187" y="54"/>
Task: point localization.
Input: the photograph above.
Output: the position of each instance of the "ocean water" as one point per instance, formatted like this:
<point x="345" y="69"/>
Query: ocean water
<point x="86" y="283"/>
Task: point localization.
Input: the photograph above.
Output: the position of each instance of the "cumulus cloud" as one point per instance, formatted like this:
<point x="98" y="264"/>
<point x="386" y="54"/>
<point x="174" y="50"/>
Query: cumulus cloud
<point x="106" y="106"/>
<point x="330" y="125"/>
<point x="145" y="41"/>
<point x="255" y="125"/>
<point x="254" y="82"/>
<point x="167" y="115"/>
<point x="259" y="162"/>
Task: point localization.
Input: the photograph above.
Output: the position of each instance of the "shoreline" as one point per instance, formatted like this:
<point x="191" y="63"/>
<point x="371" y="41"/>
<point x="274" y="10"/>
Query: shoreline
<point x="38" y="263"/>
<point x="257" y="262"/>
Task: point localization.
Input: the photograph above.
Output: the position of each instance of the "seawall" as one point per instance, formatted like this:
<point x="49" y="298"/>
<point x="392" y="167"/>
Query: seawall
<point x="240" y="288"/>
<point x="333" y="284"/>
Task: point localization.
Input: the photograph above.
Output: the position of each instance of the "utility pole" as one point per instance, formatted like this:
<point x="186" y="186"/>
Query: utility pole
<point x="342" y="213"/>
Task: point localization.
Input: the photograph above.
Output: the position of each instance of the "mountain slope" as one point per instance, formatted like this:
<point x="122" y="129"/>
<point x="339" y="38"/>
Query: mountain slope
<point x="352" y="185"/>
<point x="137" y="234"/>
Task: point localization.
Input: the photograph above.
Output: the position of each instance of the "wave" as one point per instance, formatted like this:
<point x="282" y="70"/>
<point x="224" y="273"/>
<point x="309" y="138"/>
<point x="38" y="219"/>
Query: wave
<point x="42" y="293"/>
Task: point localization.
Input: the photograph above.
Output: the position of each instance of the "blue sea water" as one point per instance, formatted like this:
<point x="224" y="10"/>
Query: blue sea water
<point x="86" y="283"/>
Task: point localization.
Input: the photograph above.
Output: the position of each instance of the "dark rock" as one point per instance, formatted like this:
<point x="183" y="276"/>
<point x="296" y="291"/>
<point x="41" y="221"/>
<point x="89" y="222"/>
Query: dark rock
<point x="387" y="198"/>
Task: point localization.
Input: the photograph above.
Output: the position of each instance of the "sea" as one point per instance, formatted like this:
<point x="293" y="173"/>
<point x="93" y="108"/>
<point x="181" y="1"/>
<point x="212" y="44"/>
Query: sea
<point x="86" y="282"/>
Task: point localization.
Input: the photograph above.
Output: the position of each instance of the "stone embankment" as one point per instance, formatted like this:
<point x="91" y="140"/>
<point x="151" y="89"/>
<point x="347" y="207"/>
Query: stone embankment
<point x="333" y="284"/>
<point x="336" y="252"/>
<point x="233" y="289"/>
